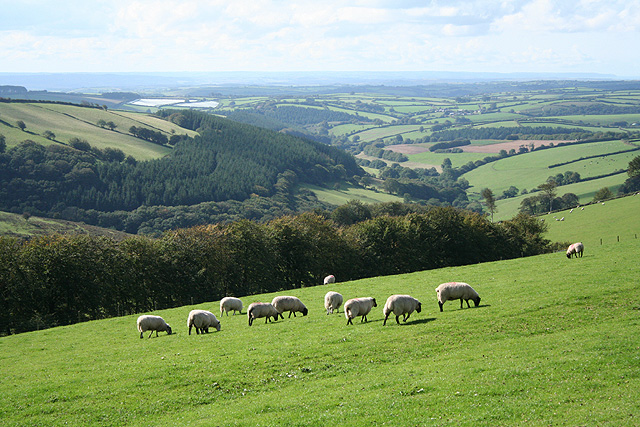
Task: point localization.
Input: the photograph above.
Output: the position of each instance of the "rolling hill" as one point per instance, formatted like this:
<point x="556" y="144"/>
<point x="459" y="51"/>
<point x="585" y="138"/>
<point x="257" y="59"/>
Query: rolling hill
<point x="553" y="342"/>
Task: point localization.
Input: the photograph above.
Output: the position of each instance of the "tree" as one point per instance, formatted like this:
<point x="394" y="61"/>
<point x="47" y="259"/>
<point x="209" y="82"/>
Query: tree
<point x="549" y="192"/>
<point x="3" y="144"/>
<point x="602" y="194"/>
<point x="21" y="125"/>
<point x="101" y="123"/>
<point x="111" y="125"/>
<point x="490" y="200"/>
<point x="634" y="167"/>
<point x="49" y="135"/>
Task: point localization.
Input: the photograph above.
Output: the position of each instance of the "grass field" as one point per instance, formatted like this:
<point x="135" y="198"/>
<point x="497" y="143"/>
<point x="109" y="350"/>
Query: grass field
<point x="342" y="196"/>
<point x="617" y="218"/>
<point x="531" y="169"/>
<point x="508" y="208"/>
<point x="554" y="342"/>
<point x="67" y="122"/>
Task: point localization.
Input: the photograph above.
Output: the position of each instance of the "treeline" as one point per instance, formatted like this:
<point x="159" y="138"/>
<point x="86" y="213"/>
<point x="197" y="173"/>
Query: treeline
<point x="149" y="135"/>
<point x="55" y="280"/>
<point x="228" y="161"/>
<point x="591" y="108"/>
<point x="504" y="133"/>
<point x="393" y="156"/>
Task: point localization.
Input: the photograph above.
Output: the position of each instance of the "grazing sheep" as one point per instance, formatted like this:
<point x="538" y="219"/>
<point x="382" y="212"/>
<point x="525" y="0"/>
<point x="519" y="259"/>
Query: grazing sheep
<point x="400" y="305"/>
<point x="457" y="290"/>
<point x="332" y="301"/>
<point x="258" y="310"/>
<point x="151" y="323"/>
<point x="202" y="320"/>
<point x="290" y="304"/>
<point x="575" y="249"/>
<point x="358" y="307"/>
<point x="230" y="304"/>
<point x="330" y="279"/>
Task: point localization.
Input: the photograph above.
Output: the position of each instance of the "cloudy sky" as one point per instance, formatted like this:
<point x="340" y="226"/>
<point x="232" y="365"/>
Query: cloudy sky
<point x="568" y="36"/>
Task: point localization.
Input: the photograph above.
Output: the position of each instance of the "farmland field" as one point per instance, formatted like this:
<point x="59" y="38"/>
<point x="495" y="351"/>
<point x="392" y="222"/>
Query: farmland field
<point x="536" y="351"/>
<point x="68" y="121"/>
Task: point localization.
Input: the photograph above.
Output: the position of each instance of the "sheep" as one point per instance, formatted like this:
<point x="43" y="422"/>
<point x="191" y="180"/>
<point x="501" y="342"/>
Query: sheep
<point x="400" y="305"/>
<point x="202" y="320"/>
<point x="457" y="290"/>
<point x="332" y="301"/>
<point x="358" y="307"/>
<point x="575" y="249"/>
<point x="290" y="304"/>
<point x="330" y="279"/>
<point x="230" y="304"/>
<point x="151" y="323"/>
<point x="257" y="310"/>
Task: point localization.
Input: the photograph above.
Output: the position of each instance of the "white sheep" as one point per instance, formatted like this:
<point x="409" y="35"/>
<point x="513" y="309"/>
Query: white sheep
<point x="457" y="290"/>
<point x="230" y="304"/>
<point x="358" y="307"/>
<point x="258" y="310"/>
<point x="575" y="249"/>
<point x="202" y="320"/>
<point x="147" y="322"/>
<point x="330" y="279"/>
<point x="290" y="304"/>
<point x="400" y="305"/>
<point x="332" y="301"/>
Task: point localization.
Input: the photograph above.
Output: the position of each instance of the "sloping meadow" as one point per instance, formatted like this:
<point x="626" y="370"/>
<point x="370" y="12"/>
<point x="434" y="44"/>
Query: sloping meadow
<point x="554" y="342"/>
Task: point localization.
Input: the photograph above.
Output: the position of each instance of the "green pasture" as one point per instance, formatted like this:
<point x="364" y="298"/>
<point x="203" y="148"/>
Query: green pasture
<point x="457" y="159"/>
<point x="593" y="223"/>
<point x="604" y="119"/>
<point x="386" y="131"/>
<point x="586" y="190"/>
<point x="531" y="169"/>
<point x="67" y="122"/>
<point x="345" y="194"/>
<point x="554" y="342"/>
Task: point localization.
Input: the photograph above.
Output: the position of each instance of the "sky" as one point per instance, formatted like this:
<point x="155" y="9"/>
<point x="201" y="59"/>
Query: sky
<point x="507" y="36"/>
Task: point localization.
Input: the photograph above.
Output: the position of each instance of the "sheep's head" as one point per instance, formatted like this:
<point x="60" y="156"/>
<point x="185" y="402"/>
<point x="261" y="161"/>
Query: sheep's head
<point x="218" y="326"/>
<point x="169" y="332"/>
<point x="569" y="255"/>
<point x="374" y="302"/>
<point x="477" y="301"/>
<point x="305" y="311"/>
<point x="419" y="308"/>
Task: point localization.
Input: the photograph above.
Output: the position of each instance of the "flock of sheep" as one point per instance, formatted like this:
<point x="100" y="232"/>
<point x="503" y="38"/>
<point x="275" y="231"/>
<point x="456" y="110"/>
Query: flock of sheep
<point x="399" y="305"/>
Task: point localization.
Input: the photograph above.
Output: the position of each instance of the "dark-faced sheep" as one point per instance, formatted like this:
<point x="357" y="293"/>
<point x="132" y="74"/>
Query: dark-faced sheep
<point x="400" y="305"/>
<point x="230" y="304"/>
<point x="151" y="323"/>
<point x="290" y="304"/>
<point x="202" y="320"/>
<point x="258" y="310"/>
<point x="576" y="249"/>
<point x="358" y="307"/>
<point x="457" y="290"/>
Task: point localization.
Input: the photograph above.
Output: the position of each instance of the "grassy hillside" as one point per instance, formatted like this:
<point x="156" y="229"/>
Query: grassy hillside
<point x="508" y="208"/>
<point x="67" y="121"/>
<point x="553" y="343"/>
<point x="589" y="224"/>
<point x="346" y="193"/>
<point x="19" y="226"/>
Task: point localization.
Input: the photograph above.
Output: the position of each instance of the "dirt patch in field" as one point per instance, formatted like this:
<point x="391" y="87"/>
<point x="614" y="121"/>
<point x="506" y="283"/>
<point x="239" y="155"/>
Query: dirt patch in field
<point x="495" y="148"/>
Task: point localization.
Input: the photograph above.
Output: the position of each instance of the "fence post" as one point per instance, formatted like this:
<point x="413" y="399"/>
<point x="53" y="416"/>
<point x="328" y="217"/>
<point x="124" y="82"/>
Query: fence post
<point x="600" y="242"/>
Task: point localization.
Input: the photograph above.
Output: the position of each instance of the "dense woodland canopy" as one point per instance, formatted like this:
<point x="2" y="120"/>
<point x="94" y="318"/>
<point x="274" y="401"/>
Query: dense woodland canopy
<point x="56" y="280"/>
